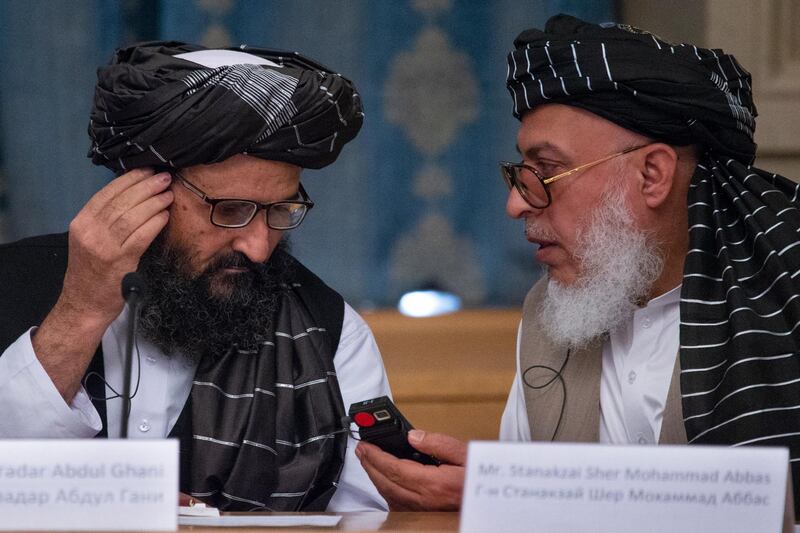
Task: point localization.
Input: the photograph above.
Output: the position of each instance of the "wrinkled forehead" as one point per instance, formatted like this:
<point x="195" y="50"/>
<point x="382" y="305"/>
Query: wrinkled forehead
<point x="567" y="131"/>
<point x="244" y="176"/>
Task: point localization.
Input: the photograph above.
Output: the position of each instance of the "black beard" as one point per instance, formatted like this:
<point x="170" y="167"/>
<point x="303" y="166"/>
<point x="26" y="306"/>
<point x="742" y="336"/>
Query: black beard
<point x="208" y="313"/>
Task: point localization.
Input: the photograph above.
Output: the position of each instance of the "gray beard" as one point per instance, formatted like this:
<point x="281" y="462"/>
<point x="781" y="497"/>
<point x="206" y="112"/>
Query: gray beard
<point x="181" y="314"/>
<point x="619" y="264"/>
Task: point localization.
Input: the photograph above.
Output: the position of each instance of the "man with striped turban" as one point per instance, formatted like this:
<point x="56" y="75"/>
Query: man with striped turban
<point x="243" y="354"/>
<point x="669" y="311"/>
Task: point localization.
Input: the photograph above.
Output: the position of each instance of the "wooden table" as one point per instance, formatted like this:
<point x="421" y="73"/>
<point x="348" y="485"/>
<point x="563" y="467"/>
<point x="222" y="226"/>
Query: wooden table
<point x="362" y="521"/>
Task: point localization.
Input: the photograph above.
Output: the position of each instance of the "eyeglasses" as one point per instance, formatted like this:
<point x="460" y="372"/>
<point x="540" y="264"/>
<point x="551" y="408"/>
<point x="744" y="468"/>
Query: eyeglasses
<point x="533" y="186"/>
<point x="236" y="213"/>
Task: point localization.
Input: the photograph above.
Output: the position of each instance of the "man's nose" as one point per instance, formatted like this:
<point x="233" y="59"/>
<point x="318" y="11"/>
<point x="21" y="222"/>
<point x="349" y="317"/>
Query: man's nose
<point x="517" y="207"/>
<point x="256" y="240"/>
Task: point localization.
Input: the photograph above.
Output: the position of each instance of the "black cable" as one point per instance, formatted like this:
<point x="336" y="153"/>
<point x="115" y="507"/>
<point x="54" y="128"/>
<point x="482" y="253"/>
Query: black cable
<point x="107" y="384"/>
<point x="355" y="434"/>
<point x="557" y="375"/>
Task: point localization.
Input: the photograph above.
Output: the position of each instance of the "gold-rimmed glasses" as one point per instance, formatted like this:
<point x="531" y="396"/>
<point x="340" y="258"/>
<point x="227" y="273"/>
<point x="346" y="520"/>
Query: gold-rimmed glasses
<point x="532" y="186"/>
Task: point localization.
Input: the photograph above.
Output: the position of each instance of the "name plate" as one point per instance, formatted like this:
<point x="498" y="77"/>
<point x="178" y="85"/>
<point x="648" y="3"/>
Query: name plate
<point x="623" y="489"/>
<point x="89" y="484"/>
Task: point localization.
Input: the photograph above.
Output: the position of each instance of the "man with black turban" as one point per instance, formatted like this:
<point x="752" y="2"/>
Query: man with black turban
<point x="243" y="354"/>
<point x="670" y="310"/>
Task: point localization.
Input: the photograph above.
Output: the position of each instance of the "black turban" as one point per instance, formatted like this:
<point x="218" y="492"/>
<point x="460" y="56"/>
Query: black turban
<point x="740" y="295"/>
<point x="154" y="109"/>
<point x="676" y="93"/>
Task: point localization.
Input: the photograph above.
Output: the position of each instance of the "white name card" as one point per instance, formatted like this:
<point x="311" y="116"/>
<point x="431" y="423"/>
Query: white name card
<point x="89" y="484"/>
<point x="623" y="489"/>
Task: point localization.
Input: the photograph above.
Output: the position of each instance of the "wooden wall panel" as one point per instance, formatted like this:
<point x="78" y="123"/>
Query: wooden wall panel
<point x="450" y="373"/>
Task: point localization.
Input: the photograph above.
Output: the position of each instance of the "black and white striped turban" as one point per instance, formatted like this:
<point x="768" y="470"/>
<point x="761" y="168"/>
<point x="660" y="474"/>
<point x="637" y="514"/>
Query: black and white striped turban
<point x="177" y="105"/>
<point x="740" y="298"/>
<point x="676" y="93"/>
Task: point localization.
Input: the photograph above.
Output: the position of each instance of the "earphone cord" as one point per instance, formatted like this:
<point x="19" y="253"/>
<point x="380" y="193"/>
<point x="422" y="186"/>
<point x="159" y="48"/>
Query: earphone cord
<point x="107" y="384"/>
<point x="557" y="376"/>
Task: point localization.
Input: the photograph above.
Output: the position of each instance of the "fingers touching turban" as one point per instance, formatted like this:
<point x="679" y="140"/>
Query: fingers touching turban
<point x="175" y="104"/>
<point x="676" y="93"/>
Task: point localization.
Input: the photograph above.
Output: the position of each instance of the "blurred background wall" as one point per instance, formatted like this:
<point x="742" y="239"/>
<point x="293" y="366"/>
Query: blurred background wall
<point x="416" y="199"/>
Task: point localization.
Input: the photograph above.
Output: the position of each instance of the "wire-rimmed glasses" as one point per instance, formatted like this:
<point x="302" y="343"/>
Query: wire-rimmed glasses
<point x="238" y="213"/>
<point x="532" y="186"/>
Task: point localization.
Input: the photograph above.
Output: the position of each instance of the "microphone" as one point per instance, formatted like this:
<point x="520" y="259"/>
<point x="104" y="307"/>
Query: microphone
<point x="133" y="289"/>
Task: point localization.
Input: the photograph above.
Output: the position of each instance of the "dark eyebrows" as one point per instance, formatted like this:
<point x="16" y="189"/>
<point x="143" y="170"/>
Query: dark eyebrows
<point x="296" y="196"/>
<point x="546" y="149"/>
<point x="291" y="197"/>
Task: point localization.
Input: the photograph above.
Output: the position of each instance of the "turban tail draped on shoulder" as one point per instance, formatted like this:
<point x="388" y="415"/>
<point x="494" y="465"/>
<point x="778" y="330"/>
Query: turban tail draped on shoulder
<point x="154" y="109"/>
<point x="740" y="299"/>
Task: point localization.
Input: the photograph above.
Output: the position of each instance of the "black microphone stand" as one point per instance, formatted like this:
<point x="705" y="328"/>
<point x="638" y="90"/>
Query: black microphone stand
<point x="132" y="291"/>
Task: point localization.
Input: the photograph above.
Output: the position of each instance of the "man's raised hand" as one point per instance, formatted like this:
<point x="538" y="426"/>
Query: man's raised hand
<point x="109" y="235"/>
<point x="106" y="240"/>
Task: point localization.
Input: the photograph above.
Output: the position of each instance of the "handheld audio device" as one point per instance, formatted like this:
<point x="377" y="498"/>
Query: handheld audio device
<point x="380" y="422"/>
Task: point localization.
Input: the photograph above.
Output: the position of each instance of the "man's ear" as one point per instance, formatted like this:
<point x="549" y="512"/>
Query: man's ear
<point x="658" y="171"/>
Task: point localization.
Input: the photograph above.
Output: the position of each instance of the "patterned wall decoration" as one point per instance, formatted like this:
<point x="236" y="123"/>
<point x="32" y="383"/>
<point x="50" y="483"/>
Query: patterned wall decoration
<point x="50" y="53"/>
<point x="216" y="33"/>
<point x="415" y="200"/>
<point x="432" y="93"/>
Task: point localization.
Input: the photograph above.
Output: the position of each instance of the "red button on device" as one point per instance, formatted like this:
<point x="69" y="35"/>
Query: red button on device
<point x="364" y="420"/>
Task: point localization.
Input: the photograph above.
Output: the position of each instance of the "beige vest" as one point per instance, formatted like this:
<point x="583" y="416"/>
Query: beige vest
<point x="581" y="418"/>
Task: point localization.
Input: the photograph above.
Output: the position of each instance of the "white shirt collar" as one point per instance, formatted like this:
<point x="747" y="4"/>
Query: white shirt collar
<point x="670" y="297"/>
